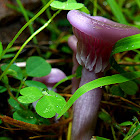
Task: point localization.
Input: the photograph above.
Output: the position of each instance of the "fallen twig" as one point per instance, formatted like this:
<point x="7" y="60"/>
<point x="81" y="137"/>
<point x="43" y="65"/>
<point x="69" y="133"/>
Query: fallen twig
<point x="33" y="127"/>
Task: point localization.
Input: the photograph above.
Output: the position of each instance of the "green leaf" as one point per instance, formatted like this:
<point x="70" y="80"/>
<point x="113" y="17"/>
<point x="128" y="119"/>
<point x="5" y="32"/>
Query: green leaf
<point x="2" y="89"/>
<point x="66" y="115"/>
<point x="14" y="71"/>
<point x="117" y="11"/>
<point x="138" y="126"/>
<point x="37" y="84"/>
<point x="117" y="78"/>
<point x="85" y="10"/>
<point x="138" y="3"/>
<point x="11" y="72"/>
<point x="13" y="49"/>
<point x="42" y="120"/>
<point x="14" y="104"/>
<point x="63" y="80"/>
<point x="5" y="80"/>
<point x="116" y="90"/>
<point x="25" y="116"/>
<point x="0" y="121"/>
<point x="98" y="138"/>
<point x="124" y="44"/>
<point x="37" y="67"/>
<point x="8" y="56"/>
<point x="137" y="137"/>
<point x="135" y="119"/>
<point x="68" y="5"/>
<point x="30" y="94"/>
<point x="126" y="123"/>
<point x="5" y="138"/>
<point x="66" y="49"/>
<point x="1" y="48"/>
<point x="50" y="104"/>
<point x="103" y="115"/>
<point x="134" y="131"/>
<point x="129" y="87"/>
<point x="71" y="1"/>
<point x="79" y="71"/>
<point x="127" y="44"/>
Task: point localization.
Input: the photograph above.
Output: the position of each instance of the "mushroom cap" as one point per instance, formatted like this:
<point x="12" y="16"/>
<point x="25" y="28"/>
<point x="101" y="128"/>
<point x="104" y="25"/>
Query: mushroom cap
<point x="96" y="36"/>
<point x="72" y="42"/>
<point x="100" y="27"/>
<point x="50" y="80"/>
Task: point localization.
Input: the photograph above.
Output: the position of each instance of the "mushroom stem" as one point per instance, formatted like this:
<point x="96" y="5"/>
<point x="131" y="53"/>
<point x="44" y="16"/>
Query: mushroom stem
<point x="86" y="109"/>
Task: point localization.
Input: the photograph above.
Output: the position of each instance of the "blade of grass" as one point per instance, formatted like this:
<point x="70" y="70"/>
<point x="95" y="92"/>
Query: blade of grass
<point x="117" y="78"/>
<point x="27" y="20"/>
<point x="138" y="3"/>
<point x="48" y="13"/>
<point x="63" y="80"/>
<point x="95" y="8"/>
<point x="113" y="132"/>
<point x="117" y="11"/>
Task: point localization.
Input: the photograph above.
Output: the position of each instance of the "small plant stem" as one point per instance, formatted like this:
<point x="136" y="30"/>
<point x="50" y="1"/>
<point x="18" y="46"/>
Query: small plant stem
<point x="48" y="13"/>
<point x="123" y="99"/>
<point x="29" y="39"/>
<point x="30" y="25"/>
<point x="63" y="80"/>
<point x="129" y="133"/>
<point x="22" y="82"/>
<point x="27" y="20"/>
<point x="26" y="25"/>
<point x="113" y="132"/>
<point x="119" y="128"/>
<point x="95" y="8"/>
<point x="135" y="134"/>
<point x="69" y="131"/>
<point x="10" y="93"/>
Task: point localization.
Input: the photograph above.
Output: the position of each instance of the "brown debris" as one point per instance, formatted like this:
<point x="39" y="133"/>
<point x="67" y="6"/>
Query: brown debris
<point x="7" y="14"/>
<point x="33" y="127"/>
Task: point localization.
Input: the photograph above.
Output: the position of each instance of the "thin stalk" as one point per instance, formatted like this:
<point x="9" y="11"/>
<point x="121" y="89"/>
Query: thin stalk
<point x="31" y="29"/>
<point x="63" y="80"/>
<point x="69" y="131"/>
<point x="135" y="134"/>
<point x="27" y="20"/>
<point x="48" y="13"/>
<point x="95" y="8"/>
<point x="29" y="39"/>
<point x="11" y="95"/>
<point x="20" y="86"/>
<point x="113" y="132"/>
<point x="26" y="25"/>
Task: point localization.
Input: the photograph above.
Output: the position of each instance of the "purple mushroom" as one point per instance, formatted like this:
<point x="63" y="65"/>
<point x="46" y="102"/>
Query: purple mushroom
<point x="50" y="80"/>
<point x="96" y="36"/>
<point x="72" y="42"/>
